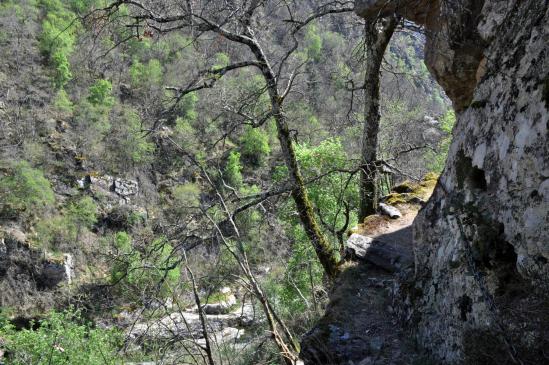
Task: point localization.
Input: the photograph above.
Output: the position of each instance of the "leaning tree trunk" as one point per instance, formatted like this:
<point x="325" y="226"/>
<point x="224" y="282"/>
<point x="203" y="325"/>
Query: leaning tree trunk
<point x="377" y="35"/>
<point x="325" y="251"/>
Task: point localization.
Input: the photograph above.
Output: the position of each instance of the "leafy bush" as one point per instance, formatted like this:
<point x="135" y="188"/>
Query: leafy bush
<point x="313" y="42"/>
<point x="143" y="75"/>
<point x="129" y="142"/>
<point x="61" y="338"/>
<point x="329" y="193"/>
<point x="82" y="213"/>
<point x="221" y="60"/>
<point x="233" y="170"/>
<point x="187" y="107"/>
<point x="254" y="146"/>
<point x="100" y="93"/>
<point x="62" y="102"/>
<point x="53" y="233"/>
<point x="57" y="40"/>
<point x="438" y="159"/>
<point x="24" y="190"/>
<point x="62" y="72"/>
<point x="185" y="135"/>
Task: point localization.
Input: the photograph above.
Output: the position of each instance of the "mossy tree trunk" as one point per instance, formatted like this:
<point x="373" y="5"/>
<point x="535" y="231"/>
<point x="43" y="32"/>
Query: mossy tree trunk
<point x="325" y="251"/>
<point x="377" y="35"/>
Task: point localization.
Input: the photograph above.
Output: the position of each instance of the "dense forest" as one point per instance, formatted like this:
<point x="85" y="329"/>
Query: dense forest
<point x="179" y="179"/>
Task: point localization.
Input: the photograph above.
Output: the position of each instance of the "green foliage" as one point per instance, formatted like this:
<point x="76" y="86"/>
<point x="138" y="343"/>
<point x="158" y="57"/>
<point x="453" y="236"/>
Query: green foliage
<point x="82" y="213"/>
<point x="62" y="102"/>
<point x="330" y="192"/>
<point x="153" y="270"/>
<point x="61" y="67"/>
<point x="342" y="74"/>
<point x="54" y="233"/>
<point x="448" y="121"/>
<point x="143" y="75"/>
<point x="438" y="159"/>
<point x="221" y="60"/>
<point x="185" y="135"/>
<point x="61" y="338"/>
<point x="187" y="107"/>
<point x="134" y="144"/>
<point x="313" y="43"/>
<point x="100" y="93"/>
<point x="81" y="6"/>
<point x="233" y="170"/>
<point x="59" y="231"/>
<point x="293" y="294"/>
<point x="59" y="30"/>
<point x="123" y="241"/>
<point x="21" y="10"/>
<point x="25" y="191"/>
<point x="254" y="146"/>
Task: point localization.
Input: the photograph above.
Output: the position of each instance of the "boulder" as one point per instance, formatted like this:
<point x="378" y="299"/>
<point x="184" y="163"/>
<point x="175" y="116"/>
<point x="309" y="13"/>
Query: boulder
<point x="384" y="255"/>
<point x="186" y="324"/>
<point x="357" y="245"/>
<point x="125" y="188"/>
<point x="223" y="306"/>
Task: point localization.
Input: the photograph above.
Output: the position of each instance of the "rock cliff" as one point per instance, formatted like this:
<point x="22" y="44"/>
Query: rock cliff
<point x="481" y="243"/>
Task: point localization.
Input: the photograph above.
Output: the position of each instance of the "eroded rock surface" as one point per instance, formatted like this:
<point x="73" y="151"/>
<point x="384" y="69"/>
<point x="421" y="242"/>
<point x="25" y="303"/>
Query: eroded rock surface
<point x="482" y="240"/>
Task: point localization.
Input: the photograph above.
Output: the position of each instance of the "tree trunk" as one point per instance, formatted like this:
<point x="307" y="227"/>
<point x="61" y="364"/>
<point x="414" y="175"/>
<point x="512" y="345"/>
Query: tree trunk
<point x="326" y="253"/>
<point x="377" y="35"/>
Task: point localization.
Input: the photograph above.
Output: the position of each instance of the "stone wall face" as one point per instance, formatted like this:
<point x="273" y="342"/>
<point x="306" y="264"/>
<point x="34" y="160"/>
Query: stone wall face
<point x="482" y="241"/>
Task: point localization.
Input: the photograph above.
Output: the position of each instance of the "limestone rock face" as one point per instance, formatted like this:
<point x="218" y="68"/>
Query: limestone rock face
<point x="482" y="240"/>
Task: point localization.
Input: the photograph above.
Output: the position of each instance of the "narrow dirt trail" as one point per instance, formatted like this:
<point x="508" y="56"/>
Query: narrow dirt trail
<point x="359" y="326"/>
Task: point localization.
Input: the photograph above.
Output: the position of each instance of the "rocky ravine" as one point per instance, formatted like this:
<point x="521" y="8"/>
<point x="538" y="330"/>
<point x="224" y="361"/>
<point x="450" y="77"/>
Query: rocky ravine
<point x="478" y="291"/>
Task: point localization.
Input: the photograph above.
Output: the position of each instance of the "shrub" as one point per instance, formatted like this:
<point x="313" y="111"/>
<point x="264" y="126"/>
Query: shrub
<point x="254" y="146"/>
<point x="58" y="38"/>
<point x="313" y="43"/>
<point x="82" y="213"/>
<point x="100" y="93"/>
<point x="438" y="159"/>
<point x="185" y="135"/>
<point x="140" y="149"/>
<point x="146" y="74"/>
<point x="61" y="338"/>
<point x="59" y="231"/>
<point x="187" y="107"/>
<point x="62" y="102"/>
<point x="53" y="233"/>
<point x="24" y="191"/>
<point x="221" y="60"/>
<point x="61" y="67"/>
<point x="233" y="170"/>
